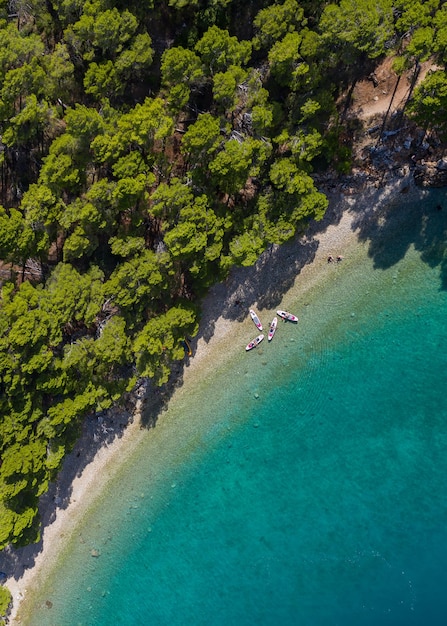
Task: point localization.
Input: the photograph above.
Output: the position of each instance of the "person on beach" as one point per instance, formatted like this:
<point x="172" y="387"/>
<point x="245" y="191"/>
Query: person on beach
<point x="339" y="258"/>
<point x="330" y="258"/>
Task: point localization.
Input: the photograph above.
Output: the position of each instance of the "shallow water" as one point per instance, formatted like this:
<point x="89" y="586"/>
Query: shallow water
<point x="303" y="483"/>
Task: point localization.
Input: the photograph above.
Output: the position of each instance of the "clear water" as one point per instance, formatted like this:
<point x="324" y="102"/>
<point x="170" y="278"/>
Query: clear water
<point x="304" y="483"/>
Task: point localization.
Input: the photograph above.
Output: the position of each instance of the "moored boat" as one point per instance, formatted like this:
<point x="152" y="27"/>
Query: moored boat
<point x="272" y="328"/>
<point x="256" y="319"/>
<point x="287" y="317"/>
<point x="255" y="342"/>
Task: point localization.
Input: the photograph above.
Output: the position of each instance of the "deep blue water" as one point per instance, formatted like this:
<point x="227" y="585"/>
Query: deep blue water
<point x="304" y="483"/>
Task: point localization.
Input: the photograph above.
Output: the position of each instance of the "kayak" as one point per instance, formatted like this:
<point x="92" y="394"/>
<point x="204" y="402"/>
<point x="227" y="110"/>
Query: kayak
<point x="256" y="319"/>
<point x="255" y="342"/>
<point x="287" y="317"/>
<point x="272" y="328"/>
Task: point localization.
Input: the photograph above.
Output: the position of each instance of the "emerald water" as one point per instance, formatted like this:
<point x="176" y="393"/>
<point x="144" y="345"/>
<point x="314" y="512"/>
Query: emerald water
<point x="302" y="483"/>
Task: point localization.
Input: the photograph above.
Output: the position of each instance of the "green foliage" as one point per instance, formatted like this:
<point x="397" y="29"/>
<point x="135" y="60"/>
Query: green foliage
<point x="126" y="246"/>
<point x="245" y="249"/>
<point x="429" y="102"/>
<point x="218" y="50"/>
<point x="337" y="154"/>
<point x="112" y="30"/>
<point x="29" y="123"/>
<point x="286" y="63"/>
<point x="276" y="20"/>
<point x="169" y="199"/>
<point x="198" y="234"/>
<point x="59" y="72"/>
<point x="138" y="284"/>
<point x="17" y="240"/>
<point x="112" y="348"/>
<point x="180" y="65"/>
<point x="18" y="83"/>
<point x="367" y="25"/>
<point x="18" y="527"/>
<point x="285" y="175"/>
<point x="413" y="14"/>
<point x="440" y="39"/>
<point x="225" y="87"/>
<point x="102" y="80"/>
<point x="129" y="191"/>
<point x="421" y="45"/>
<point x="83" y="124"/>
<point x="201" y="141"/>
<point x="60" y="172"/>
<point x="160" y="342"/>
<point x="182" y="4"/>
<point x="72" y="296"/>
<point x="238" y="160"/>
<point x="101" y="33"/>
<point x="5" y="601"/>
<point x="305" y="146"/>
<point x="133" y="62"/>
<point x="141" y="129"/>
<point x="309" y="109"/>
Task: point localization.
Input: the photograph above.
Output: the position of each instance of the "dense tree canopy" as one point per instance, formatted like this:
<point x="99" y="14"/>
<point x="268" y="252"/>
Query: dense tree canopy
<point x="146" y="148"/>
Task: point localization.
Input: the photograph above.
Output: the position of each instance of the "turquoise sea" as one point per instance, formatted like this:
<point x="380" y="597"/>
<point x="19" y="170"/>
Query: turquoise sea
<point x="303" y="483"/>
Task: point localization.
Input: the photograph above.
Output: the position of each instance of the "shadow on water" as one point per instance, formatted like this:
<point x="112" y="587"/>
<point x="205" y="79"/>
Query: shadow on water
<point x="391" y="224"/>
<point x="392" y="227"/>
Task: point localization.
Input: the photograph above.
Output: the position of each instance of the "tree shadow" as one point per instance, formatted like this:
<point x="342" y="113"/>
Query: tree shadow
<point x="98" y="431"/>
<point x="391" y="224"/>
<point x="155" y="400"/>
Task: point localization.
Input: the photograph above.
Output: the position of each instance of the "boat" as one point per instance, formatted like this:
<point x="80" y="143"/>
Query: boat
<point x="272" y="328"/>
<point x="255" y="342"/>
<point x="256" y="319"/>
<point x="287" y="317"/>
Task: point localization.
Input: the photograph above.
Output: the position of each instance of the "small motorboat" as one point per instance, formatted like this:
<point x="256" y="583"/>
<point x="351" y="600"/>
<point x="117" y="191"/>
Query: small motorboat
<point x="255" y="342"/>
<point x="287" y="317"/>
<point x="272" y="328"/>
<point x="256" y="319"/>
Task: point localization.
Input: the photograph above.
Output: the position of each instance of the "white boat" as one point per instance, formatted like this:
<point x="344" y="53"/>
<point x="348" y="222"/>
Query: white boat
<point x="272" y="328"/>
<point x="255" y="342"/>
<point x="287" y="317"/>
<point x="256" y="319"/>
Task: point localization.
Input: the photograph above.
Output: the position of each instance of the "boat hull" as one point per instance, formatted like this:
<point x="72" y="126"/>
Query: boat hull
<point x="272" y="328"/>
<point x="254" y="343"/>
<point x="255" y="319"/>
<point x="286" y="316"/>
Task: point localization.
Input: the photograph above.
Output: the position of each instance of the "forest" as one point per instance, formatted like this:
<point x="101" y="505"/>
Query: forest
<point x="147" y="147"/>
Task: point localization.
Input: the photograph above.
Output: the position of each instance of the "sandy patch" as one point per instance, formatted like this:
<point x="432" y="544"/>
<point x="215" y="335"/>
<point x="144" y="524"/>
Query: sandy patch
<point x="384" y="91"/>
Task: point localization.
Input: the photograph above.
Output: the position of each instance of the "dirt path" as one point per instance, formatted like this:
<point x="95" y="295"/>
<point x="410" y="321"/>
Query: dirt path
<point x="373" y="97"/>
